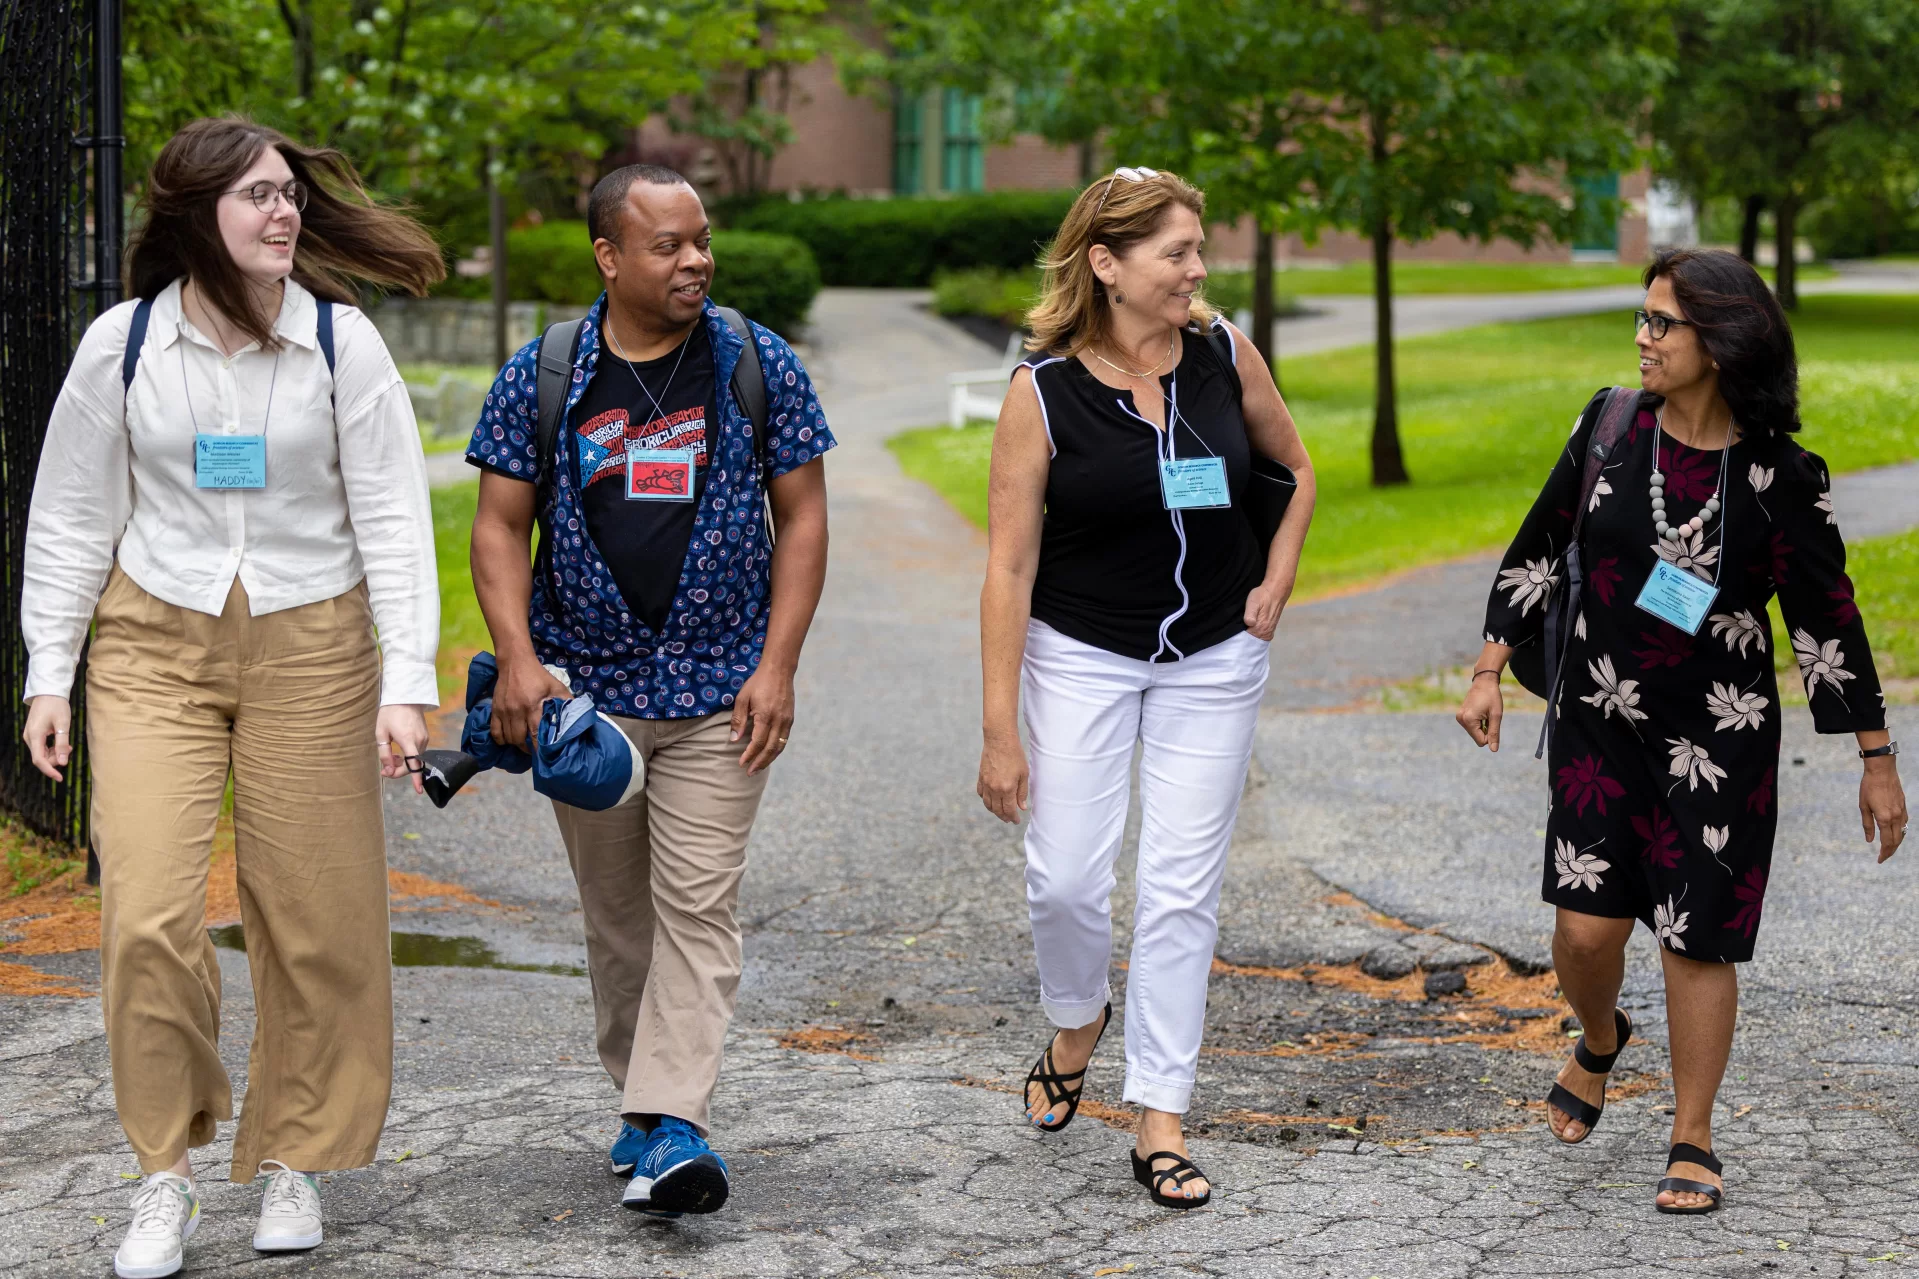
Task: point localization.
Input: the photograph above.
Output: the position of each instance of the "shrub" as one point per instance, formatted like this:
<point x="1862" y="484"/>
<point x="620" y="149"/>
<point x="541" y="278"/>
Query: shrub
<point x="771" y="278"/>
<point x="904" y="242"/>
<point x="1007" y="296"/>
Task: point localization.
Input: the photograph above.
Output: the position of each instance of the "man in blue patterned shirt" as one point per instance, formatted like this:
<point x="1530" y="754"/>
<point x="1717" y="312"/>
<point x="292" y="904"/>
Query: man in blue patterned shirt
<point x="657" y="589"/>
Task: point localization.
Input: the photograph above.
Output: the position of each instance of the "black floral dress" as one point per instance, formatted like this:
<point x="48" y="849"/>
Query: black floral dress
<point x="1665" y="758"/>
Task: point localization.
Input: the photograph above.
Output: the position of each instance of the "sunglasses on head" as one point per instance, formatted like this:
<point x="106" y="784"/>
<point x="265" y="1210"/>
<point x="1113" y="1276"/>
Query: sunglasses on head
<point x="1131" y="175"/>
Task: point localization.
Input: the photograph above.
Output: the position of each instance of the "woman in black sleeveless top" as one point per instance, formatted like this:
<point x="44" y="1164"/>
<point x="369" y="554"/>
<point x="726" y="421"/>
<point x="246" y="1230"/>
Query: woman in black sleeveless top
<point x="1129" y="604"/>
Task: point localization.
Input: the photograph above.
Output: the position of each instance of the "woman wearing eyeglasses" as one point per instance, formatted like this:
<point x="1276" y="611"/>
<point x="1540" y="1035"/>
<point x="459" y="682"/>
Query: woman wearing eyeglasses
<point x="1129" y="604"/>
<point x="232" y="494"/>
<point x="1698" y="510"/>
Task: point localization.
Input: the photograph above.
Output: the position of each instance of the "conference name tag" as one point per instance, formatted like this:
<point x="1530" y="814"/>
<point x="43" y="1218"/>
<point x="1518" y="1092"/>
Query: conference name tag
<point x="659" y="475"/>
<point x="1193" y="483"/>
<point x="229" y="461"/>
<point x="1677" y="597"/>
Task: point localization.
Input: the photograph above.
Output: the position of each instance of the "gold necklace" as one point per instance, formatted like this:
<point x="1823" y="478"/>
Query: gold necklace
<point x="1118" y="368"/>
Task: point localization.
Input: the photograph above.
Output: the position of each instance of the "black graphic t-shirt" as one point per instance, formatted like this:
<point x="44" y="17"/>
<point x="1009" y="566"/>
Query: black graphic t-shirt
<point x="644" y="542"/>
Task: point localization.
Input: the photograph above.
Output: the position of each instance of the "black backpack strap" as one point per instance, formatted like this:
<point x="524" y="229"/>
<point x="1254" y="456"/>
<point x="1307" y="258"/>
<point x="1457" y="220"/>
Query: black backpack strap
<point x="323" y="333"/>
<point x="749" y="388"/>
<point x="558" y="346"/>
<point x="136" y="338"/>
<point x="1615" y="418"/>
<point x="749" y="381"/>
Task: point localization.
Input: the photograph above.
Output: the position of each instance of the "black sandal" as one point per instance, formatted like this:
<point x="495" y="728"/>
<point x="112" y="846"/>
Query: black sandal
<point x="1576" y="1108"/>
<point x="1054" y="1084"/>
<point x="1182" y="1171"/>
<point x="1684" y="1152"/>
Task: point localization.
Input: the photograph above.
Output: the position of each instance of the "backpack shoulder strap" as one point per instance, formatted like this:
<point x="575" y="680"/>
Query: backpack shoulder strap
<point x="1622" y="406"/>
<point x="558" y="345"/>
<point x="136" y="338"/>
<point x="749" y="381"/>
<point x="323" y="333"/>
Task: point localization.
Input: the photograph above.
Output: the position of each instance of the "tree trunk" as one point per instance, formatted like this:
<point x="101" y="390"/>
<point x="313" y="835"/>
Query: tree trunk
<point x="1088" y="156"/>
<point x="1263" y="298"/>
<point x="300" y="31"/>
<point x="1785" y="219"/>
<point x="496" y="229"/>
<point x="1749" y="228"/>
<point x="1389" y="466"/>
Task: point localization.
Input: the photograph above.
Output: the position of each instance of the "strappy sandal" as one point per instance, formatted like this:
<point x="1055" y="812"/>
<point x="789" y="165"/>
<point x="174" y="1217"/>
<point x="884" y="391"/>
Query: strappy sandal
<point x="1577" y="1108"/>
<point x="1182" y="1171"/>
<point x="1055" y="1084"/>
<point x="1684" y="1152"/>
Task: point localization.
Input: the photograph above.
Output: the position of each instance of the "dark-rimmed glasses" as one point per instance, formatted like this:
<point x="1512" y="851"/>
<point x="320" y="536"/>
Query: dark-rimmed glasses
<point x="1131" y="175"/>
<point x="262" y="193"/>
<point x="1659" y="325"/>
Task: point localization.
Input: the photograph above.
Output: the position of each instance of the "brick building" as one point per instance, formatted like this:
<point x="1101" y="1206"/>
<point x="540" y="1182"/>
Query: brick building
<point x="933" y="143"/>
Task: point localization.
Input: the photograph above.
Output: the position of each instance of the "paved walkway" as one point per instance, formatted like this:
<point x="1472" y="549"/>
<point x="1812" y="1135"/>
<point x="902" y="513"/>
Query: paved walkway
<point x="889" y="1007"/>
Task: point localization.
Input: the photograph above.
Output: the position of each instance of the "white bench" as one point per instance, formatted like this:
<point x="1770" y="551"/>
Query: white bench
<point x="964" y="404"/>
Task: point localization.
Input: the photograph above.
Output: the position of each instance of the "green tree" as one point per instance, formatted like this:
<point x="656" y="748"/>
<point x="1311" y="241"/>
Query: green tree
<point x="1399" y="119"/>
<point x="1470" y="117"/>
<point x="1784" y="102"/>
<point x="417" y="91"/>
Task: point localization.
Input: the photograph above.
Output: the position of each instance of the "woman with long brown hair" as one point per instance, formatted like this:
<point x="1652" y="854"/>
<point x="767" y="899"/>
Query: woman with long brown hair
<point x="1129" y="601"/>
<point x="233" y="494"/>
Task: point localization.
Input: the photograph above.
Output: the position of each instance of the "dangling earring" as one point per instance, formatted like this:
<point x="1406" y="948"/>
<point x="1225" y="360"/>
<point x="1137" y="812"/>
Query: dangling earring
<point x="1119" y="299"/>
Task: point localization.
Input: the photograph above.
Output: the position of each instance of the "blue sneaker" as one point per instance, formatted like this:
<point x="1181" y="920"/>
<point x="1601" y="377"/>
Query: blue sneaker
<point x="626" y="1150"/>
<point x="677" y="1172"/>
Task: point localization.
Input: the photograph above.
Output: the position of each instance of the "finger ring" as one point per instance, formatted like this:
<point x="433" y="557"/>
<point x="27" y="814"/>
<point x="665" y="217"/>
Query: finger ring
<point x="782" y="741"/>
<point x="59" y="732"/>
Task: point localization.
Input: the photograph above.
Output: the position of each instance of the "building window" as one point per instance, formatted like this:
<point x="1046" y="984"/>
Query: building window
<point x="1595" y="233"/>
<point x="907" y="134"/>
<point x="962" y="157"/>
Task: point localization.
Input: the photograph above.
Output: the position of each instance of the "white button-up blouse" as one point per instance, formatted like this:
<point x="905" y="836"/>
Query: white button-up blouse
<point x="345" y="496"/>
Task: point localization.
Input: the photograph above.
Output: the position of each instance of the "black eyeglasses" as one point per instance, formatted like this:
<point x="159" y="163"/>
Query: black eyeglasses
<point x="1659" y="324"/>
<point x="262" y="194"/>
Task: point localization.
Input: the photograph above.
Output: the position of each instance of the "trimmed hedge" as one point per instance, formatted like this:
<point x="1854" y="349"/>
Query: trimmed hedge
<point x="901" y="243"/>
<point x="771" y="278"/>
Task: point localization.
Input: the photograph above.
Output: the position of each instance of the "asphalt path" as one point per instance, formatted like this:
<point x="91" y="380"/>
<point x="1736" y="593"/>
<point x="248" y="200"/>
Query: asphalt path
<point x="888" y="1009"/>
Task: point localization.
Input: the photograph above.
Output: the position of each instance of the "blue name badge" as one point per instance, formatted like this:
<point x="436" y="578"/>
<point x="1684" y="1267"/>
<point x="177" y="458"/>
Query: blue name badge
<point x="1193" y="483"/>
<point x="230" y="461"/>
<point x="659" y="475"/>
<point x="1677" y="597"/>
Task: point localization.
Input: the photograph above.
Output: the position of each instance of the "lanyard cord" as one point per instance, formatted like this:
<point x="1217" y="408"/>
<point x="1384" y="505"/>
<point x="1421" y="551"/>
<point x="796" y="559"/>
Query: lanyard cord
<point x="657" y="407"/>
<point x="1725" y="497"/>
<point x="187" y="387"/>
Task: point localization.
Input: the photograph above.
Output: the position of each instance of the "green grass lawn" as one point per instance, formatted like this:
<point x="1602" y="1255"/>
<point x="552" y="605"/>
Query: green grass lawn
<point x="462" y="628"/>
<point x="1483" y="413"/>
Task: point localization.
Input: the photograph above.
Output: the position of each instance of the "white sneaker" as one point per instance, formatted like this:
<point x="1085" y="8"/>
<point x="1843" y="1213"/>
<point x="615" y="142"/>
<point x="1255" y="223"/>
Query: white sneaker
<point x="165" y="1213"/>
<point x="289" y="1211"/>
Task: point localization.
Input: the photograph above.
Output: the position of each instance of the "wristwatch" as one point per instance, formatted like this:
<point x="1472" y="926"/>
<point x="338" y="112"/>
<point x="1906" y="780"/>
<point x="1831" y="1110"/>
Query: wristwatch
<point x="1890" y="748"/>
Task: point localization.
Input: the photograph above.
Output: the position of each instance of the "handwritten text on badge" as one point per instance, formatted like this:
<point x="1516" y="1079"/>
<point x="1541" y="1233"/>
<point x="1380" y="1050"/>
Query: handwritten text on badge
<point x="1677" y="597"/>
<point x="229" y="461"/>
<point x="1193" y="483"/>
<point x="659" y="475"/>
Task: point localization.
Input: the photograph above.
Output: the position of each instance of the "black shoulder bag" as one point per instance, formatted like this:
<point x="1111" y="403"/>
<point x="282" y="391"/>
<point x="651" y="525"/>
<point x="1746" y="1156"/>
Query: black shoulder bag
<point x="1271" y="488"/>
<point x="1538" y="666"/>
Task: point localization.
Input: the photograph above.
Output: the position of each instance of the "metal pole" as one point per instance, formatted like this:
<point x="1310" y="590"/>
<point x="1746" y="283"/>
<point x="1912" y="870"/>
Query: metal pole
<point x="496" y="226"/>
<point x="109" y="144"/>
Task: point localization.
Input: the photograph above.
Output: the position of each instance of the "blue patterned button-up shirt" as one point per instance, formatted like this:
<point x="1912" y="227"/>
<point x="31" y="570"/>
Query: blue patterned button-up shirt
<point x="714" y="633"/>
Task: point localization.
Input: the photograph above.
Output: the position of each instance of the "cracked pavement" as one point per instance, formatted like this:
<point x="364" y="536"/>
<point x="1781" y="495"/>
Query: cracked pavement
<point x="869" y="1109"/>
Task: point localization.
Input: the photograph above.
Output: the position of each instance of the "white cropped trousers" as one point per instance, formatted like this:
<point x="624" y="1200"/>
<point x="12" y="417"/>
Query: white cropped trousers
<point x="1085" y="708"/>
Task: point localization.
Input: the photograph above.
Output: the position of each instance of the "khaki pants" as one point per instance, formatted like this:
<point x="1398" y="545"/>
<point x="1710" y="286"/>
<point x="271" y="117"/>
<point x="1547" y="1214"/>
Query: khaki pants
<point x="659" y="884"/>
<point x="287" y="701"/>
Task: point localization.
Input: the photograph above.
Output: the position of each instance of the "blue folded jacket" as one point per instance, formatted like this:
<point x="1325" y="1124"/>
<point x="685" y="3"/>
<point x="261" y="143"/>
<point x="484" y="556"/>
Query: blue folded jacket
<point x="580" y="757"/>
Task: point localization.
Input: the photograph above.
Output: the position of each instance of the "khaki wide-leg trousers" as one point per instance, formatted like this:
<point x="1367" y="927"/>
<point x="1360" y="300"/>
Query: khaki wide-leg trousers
<point x="659" y="884"/>
<point x="286" y="702"/>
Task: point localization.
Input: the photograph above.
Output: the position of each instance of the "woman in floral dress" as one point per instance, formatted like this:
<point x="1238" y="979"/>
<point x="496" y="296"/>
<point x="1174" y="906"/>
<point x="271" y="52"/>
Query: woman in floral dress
<point x="1665" y="753"/>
